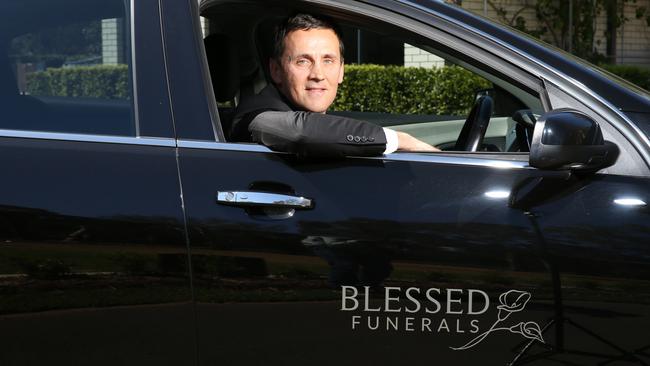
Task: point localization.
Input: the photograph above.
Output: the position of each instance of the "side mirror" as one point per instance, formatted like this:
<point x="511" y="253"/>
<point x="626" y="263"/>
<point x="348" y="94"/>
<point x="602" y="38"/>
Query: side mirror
<point x="566" y="139"/>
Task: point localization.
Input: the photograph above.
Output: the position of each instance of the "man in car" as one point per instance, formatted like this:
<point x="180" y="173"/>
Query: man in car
<point x="306" y="68"/>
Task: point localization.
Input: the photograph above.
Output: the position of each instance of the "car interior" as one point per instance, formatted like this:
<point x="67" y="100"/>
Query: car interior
<point x="238" y="43"/>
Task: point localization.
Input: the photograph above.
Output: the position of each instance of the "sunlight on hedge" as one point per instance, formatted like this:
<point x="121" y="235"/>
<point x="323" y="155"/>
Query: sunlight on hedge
<point x="447" y="90"/>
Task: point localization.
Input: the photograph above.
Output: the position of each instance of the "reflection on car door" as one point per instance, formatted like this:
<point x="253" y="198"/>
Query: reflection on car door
<point x="593" y="232"/>
<point x="93" y="254"/>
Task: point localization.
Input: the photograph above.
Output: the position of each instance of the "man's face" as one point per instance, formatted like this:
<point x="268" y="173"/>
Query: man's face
<point x="310" y="69"/>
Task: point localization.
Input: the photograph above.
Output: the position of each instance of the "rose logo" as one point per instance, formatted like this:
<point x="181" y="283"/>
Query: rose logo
<point x="529" y="330"/>
<point x="512" y="301"/>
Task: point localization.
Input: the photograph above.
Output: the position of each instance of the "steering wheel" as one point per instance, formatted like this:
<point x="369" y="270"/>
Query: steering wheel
<point x="471" y="136"/>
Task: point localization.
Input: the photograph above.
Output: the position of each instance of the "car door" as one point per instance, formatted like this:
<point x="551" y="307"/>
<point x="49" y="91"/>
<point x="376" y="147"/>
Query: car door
<point x="93" y="254"/>
<point x="277" y="284"/>
<point x="288" y="286"/>
<point x="431" y="241"/>
<point x="405" y="258"/>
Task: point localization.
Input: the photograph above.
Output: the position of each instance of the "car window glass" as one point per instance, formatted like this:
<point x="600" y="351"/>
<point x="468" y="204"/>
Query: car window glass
<point x="416" y="88"/>
<point x="66" y="72"/>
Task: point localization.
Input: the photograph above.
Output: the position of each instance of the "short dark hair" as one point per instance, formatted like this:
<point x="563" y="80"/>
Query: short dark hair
<point x="303" y="22"/>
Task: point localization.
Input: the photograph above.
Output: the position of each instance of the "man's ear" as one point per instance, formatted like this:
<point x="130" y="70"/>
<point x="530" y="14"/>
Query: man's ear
<point x="276" y="71"/>
<point x="341" y="72"/>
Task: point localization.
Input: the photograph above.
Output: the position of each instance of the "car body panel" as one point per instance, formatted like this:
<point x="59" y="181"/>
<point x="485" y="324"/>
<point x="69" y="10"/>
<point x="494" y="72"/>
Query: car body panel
<point x="408" y="224"/>
<point x="93" y="252"/>
<point x="94" y="257"/>
<point x="117" y="250"/>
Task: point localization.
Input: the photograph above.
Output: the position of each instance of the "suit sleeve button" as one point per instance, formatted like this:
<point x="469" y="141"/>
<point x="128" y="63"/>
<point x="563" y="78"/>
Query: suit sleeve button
<point x="364" y="139"/>
<point x="350" y="138"/>
<point x="357" y="139"/>
<point x="371" y="139"/>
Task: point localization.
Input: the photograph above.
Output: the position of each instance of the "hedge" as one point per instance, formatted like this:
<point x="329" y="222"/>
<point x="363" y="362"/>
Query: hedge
<point x="408" y="90"/>
<point x="100" y="81"/>
<point x="366" y="88"/>
<point x="634" y="74"/>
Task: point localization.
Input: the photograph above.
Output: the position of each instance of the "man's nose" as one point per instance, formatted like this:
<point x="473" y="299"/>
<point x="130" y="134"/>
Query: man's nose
<point x="316" y="71"/>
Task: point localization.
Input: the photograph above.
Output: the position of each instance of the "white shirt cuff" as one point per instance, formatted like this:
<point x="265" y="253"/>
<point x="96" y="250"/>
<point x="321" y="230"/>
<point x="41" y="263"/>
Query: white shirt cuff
<point x="391" y="141"/>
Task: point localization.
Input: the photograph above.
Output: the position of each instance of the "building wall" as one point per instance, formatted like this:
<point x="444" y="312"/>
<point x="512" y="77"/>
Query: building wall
<point x="632" y="41"/>
<point x="112" y="41"/>
<point x="513" y="9"/>
<point x="633" y="38"/>
<point x="415" y="57"/>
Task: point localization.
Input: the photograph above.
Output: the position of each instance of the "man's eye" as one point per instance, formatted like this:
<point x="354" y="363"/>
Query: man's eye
<point x="302" y="62"/>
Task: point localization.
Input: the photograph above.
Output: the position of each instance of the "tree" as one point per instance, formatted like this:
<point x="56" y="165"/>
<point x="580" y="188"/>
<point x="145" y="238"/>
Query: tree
<point x="571" y="25"/>
<point x="58" y="45"/>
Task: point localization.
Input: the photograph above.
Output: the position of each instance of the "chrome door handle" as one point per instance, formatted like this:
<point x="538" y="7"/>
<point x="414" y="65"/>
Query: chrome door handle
<point x="263" y="199"/>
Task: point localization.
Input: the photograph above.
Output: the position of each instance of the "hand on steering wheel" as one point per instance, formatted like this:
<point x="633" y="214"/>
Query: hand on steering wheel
<point x="471" y="136"/>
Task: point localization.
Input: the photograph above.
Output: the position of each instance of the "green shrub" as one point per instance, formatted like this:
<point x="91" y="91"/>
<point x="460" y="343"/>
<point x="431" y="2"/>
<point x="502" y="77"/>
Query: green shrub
<point x="100" y="81"/>
<point x="408" y="90"/>
<point x="634" y="74"/>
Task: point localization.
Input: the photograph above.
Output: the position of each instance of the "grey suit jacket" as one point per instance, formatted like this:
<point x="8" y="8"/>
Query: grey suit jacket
<point x="269" y="119"/>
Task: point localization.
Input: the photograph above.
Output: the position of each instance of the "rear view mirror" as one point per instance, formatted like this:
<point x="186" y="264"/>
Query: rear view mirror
<point x="567" y="139"/>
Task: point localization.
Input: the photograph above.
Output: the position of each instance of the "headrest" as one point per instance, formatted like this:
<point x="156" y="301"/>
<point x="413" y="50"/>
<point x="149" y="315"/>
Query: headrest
<point x="223" y="60"/>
